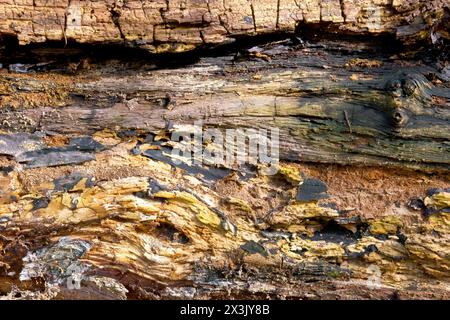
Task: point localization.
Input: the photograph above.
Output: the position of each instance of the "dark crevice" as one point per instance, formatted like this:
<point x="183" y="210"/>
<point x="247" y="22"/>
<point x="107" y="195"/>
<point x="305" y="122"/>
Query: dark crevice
<point x="253" y="17"/>
<point x="130" y="51"/>
<point x="332" y="232"/>
<point x="278" y="15"/>
<point x="115" y="16"/>
<point x="343" y="10"/>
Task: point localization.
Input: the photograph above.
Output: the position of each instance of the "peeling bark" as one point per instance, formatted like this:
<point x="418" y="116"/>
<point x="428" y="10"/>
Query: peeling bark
<point x="161" y="26"/>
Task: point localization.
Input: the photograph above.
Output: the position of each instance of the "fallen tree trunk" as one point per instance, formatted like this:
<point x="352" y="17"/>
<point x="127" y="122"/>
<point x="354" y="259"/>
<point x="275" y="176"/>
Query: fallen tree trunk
<point x="94" y="205"/>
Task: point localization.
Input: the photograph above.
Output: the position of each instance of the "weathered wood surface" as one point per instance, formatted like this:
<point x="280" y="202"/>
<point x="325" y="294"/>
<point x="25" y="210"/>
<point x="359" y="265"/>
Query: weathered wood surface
<point x="101" y="211"/>
<point x="180" y="25"/>
<point x="331" y="105"/>
<point x="170" y="236"/>
<point x="88" y="198"/>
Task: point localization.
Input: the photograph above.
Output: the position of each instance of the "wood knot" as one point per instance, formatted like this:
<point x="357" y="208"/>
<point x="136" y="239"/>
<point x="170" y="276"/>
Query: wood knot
<point x="400" y="117"/>
<point x="408" y="93"/>
<point x="407" y="85"/>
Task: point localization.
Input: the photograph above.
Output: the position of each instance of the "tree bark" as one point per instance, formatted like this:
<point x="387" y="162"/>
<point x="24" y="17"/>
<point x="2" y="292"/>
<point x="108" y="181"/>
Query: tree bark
<point x="182" y="25"/>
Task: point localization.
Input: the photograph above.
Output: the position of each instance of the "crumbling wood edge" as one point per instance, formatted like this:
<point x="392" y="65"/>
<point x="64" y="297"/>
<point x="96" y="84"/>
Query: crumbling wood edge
<point x="175" y="26"/>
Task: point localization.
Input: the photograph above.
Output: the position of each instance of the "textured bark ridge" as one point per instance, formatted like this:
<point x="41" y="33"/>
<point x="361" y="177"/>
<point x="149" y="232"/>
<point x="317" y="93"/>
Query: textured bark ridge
<point x="93" y="203"/>
<point x="181" y="25"/>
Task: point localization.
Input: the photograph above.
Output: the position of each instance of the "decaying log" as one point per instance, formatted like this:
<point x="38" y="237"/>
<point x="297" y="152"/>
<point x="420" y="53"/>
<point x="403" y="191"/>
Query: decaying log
<point x="94" y="205"/>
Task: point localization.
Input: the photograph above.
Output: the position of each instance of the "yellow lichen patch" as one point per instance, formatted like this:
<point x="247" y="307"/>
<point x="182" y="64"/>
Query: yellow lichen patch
<point x="291" y="174"/>
<point x="385" y="225"/>
<point x="438" y="201"/>
<point x="117" y="244"/>
<point x="43" y="187"/>
<point x="5" y="86"/>
<point x="162" y="135"/>
<point x="165" y="195"/>
<point x="310" y="210"/>
<point x="297" y="213"/>
<point x="31" y="100"/>
<point x="439" y="222"/>
<point x="209" y="218"/>
<point x="309" y="250"/>
<point x="239" y="204"/>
